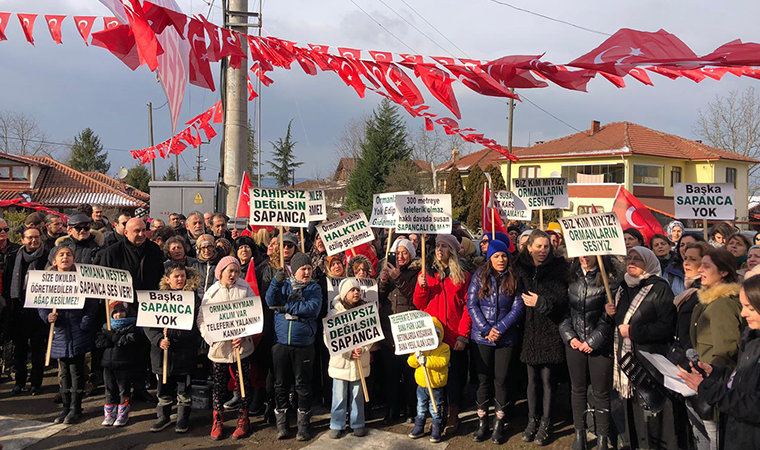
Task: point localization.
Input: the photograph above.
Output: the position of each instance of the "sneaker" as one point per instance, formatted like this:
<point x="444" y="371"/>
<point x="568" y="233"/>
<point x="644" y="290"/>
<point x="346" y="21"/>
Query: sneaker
<point x="122" y="415"/>
<point x="36" y="390"/>
<point x="109" y="413"/>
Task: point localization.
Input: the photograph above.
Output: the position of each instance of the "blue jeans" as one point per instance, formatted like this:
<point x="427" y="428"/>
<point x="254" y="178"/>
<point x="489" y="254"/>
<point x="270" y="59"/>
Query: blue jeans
<point x="424" y="404"/>
<point x="342" y="392"/>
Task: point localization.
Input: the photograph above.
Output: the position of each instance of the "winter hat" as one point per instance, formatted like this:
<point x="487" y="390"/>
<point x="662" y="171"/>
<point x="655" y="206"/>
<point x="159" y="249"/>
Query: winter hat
<point x="223" y="263"/>
<point x="449" y="240"/>
<point x="497" y="246"/>
<point x="500" y="236"/>
<point x="407" y="244"/>
<point x="117" y="307"/>
<point x="554" y="226"/>
<point x="336" y="257"/>
<point x="78" y="219"/>
<point x="346" y="285"/>
<point x="298" y="260"/>
<point x="290" y="237"/>
<point x="204" y="239"/>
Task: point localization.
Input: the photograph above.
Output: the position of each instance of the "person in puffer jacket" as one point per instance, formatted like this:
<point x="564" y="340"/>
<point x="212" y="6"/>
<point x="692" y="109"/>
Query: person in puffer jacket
<point x="297" y="302"/>
<point x="118" y="361"/>
<point x="73" y="336"/>
<point x="587" y="335"/>
<point x="496" y="313"/>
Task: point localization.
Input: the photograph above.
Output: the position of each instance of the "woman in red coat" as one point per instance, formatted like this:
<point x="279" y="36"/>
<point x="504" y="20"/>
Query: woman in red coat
<point x="441" y="291"/>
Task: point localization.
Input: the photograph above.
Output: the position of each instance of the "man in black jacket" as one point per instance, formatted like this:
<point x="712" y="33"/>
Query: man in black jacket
<point x="86" y="242"/>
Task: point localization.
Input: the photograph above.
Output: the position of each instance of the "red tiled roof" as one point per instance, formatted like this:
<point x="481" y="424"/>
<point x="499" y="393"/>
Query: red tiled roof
<point x="624" y="137"/>
<point x="423" y="165"/>
<point x="482" y="158"/>
<point x="116" y="184"/>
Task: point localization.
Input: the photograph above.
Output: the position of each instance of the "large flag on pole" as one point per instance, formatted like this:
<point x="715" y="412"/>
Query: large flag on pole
<point x="634" y="214"/>
<point x="486" y="214"/>
<point x="244" y="199"/>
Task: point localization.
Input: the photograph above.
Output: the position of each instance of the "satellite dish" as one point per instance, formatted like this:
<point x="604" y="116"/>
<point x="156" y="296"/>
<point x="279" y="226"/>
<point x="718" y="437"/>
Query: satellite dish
<point x="122" y="173"/>
<point x="556" y="175"/>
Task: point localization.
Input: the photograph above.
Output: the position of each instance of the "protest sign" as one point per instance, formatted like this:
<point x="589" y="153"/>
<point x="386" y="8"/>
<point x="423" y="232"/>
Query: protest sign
<point x="166" y="309"/>
<point x="510" y="207"/>
<point x="345" y="232"/>
<point x="368" y="288"/>
<point x="317" y="206"/>
<point x="104" y="282"/>
<point x="704" y="201"/>
<point x="423" y="214"/>
<point x="384" y="209"/>
<point x="283" y="207"/>
<point x="226" y="321"/>
<point x="349" y="330"/>
<point x="412" y="331"/>
<point x="593" y="234"/>
<point x="542" y="193"/>
<point x="47" y="289"/>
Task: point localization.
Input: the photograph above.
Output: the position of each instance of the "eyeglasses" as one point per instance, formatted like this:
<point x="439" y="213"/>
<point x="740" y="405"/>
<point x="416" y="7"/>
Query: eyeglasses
<point x="123" y="224"/>
<point x="32" y="238"/>
<point x="5" y="230"/>
<point x="82" y="227"/>
<point x="288" y="245"/>
<point x="206" y="247"/>
<point x="633" y="259"/>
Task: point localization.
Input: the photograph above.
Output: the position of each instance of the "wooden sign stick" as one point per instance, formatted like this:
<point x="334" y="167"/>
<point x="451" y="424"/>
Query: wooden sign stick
<point x="50" y="340"/>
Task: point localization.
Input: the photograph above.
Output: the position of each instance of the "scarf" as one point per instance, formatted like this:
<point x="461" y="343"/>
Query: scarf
<point x="620" y="380"/>
<point x="651" y="266"/>
<point x="123" y="322"/>
<point x="24" y="259"/>
<point x="318" y="259"/>
<point x="298" y="285"/>
<point x="683" y="296"/>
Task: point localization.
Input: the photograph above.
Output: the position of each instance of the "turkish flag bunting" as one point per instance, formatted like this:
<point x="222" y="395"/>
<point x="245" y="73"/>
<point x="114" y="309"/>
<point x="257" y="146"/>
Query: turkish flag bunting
<point x="509" y="71"/>
<point x="276" y="51"/>
<point x="156" y="17"/>
<point x="54" y="25"/>
<point x="251" y="93"/>
<point x="575" y="80"/>
<point x="386" y="57"/>
<point x="256" y="69"/>
<point x="218" y="112"/>
<point x="110" y="22"/>
<point x="244" y="198"/>
<point x="349" y="75"/>
<point x="379" y="72"/>
<point x="627" y="48"/>
<point x="305" y="60"/>
<point x="148" y="47"/>
<point x="27" y="25"/>
<point x="231" y="47"/>
<point x="633" y="214"/>
<point x="472" y="76"/>
<point x="429" y="125"/>
<point x="176" y="147"/>
<point x="403" y="83"/>
<point x="734" y="53"/>
<point x="120" y="41"/>
<point x="666" y="72"/>
<point x="214" y="47"/>
<point x="350" y="53"/>
<point x="438" y="83"/>
<point x="4" y="18"/>
<point x="641" y="75"/>
<point x="84" y="25"/>
<point x="410" y="61"/>
<point x="614" y="79"/>
<point x="200" y="69"/>
<point x="256" y="54"/>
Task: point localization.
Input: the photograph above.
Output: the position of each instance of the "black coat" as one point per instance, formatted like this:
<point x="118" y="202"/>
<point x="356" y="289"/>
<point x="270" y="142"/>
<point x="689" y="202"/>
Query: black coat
<point x="85" y="251"/>
<point x="541" y="340"/>
<point x="740" y="403"/>
<point x="681" y="338"/>
<point x="145" y="275"/>
<point x="397" y="296"/>
<point x="653" y="322"/>
<point x="119" y="348"/>
<point x="7" y="260"/>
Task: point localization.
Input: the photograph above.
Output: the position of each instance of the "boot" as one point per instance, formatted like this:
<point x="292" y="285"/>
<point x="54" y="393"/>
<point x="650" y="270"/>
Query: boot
<point x="109" y="413"/>
<point x="66" y="400"/>
<point x="391" y="416"/>
<point x="217" y="427"/>
<point x="435" y="431"/>
<point x="281" y="416"/>
<point x="122" y="415"/>
<point x="183" y="418"/>
<point x="163" y="414"/>
<point x="579" y="441"/>
<point x="498" y="428"/>
<point x="233" y="403"/>
<point x="269" y="413"/>
<point x="542" y="435"/>
<point x="452" y="422"/>
<point x="75" y="413"/>
<point x="243" y="425"/>
<point x="530" y="431"/>
<point x="304" y="422"/>
<point x="602" y="443"/>
<point x="419" y="428"/>
<point x="482" y="431"/>
<point x="257" y="406"/>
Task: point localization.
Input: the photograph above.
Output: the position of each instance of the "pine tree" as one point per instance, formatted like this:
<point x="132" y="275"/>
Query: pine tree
<point x="386" y="144"/>
<point x="458" y="195"/>
<point x="86" y="153"/>
<point x="171" y="174"/>
<point x="138" y="177"/>
<point x="475" y="182"/>
<point x="253" y="154"/>
<point x="497" y="180"/>
<point x="283" y="163"/>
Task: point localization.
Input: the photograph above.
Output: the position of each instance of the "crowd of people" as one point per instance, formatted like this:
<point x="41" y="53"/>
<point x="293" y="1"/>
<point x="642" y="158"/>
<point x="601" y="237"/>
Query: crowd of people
<point x="513" y="315"/>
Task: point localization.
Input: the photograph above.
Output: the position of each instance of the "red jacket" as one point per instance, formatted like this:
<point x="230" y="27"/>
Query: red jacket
<point x="447" y="302"/>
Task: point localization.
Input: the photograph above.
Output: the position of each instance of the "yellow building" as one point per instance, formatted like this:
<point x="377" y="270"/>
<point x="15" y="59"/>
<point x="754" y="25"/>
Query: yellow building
<point x="646" y="162"/>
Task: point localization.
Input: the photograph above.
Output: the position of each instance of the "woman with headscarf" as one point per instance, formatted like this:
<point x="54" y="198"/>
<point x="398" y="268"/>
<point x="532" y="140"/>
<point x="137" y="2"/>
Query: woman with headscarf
<point x="644" y="318"/>
<point x="633" y="237"/>
<point x="674" y="271"/>
<point x="674" y="230"/>
<point x="205" y="264"/>
<point x="244" y="249"/>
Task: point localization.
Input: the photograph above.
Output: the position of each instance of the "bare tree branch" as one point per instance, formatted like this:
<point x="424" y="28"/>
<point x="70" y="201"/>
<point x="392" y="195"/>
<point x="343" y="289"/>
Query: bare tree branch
<point x="20" y="134"/>
<point x="349" y="143"/>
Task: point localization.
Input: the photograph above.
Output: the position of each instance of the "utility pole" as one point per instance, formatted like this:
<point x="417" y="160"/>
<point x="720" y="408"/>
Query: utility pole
<point x="198" y="166"/>
<point x="258" y="113"/>
<point x="150" y="125"/>
<point x="509" y="140"/>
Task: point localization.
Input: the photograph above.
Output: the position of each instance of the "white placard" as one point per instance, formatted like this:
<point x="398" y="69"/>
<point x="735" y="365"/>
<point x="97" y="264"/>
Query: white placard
<point x="349" y="330"/>
<point x="593" y="234"/>
<point x="542" y="193"/>
<point x="279" y="207"/>
<point x="317" y="206"/>
<point x="423" y="214"/>
<point x="104" y="282"/>
<point x="48" y="289"/>
<point x="345" y="232"/>
<point x="166" y="309"/>
<point x="704" y="201"/>
<point x="233" y="319"/>
<point x="412" y="331"/>
<point x="510" y="207"/>
<point x="368" y="288"/>
<point x="384" y="209"/>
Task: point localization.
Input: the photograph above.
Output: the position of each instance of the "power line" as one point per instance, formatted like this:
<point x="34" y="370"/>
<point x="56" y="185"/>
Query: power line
<point x="381" y="26"/>
<point x="413" y="26"/>
<point x="37" y="141"/>
<point x="544" y="16"/>
<point x="436" y="29"/>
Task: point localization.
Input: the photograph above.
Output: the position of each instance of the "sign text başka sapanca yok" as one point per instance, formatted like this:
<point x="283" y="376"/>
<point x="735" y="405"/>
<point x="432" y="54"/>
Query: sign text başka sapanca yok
<point x="166" y="309"/>
<point x="704" y="201"/>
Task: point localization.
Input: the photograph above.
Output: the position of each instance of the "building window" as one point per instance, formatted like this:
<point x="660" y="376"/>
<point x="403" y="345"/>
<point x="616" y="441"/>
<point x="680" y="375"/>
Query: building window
<point x="648" y="175"/>
<point x="589" y="209"/>
<point x="731" y="176"/>
<point x="530" y="172"/>
<point x="675" y="176"/>
<point x="595" y="174"/>
<point x="19" y="173"/>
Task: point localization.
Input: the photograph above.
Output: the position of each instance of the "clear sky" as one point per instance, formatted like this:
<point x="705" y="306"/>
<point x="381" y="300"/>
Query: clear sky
<point x="69" y="87"/>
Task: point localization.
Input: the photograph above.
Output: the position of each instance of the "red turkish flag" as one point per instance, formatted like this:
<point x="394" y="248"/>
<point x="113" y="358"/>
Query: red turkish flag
<point x="386" y="57"/>
<point x="305" y="60"/>
<point x="641" y="75"/>
<point x="472" y="76"/>
<point x="734" y="53"/>
<point x="403" y="83"/>
<point x="250" y="278"/>
<point x="200" y="69"/>
<point x="666" y="72"/>
<point x="120" y="41"/>
<point x="244" y="198"/>
<point x="251" y="93"/>
<point x="27" y="25"/>
<point x="214" y="47"/>
<point x="575" y="80"/>
<point x="380" y="72"/>
<point x="159" y="18"/>
<point x="256" y="54"/>
<point x="349" y="75"/>
<point x="614" y="79"/>
<point x="256" y="69"/>
<point x="110" y="22"/>
<point x="634" y="214"/>
<point x="429" y="125"/>
<point x="277" y="51"/>
<point x="218" y="112"/>
<point x="231" y="48"/>
<point x="510" y="71"/>
<point x="350" y="53"/>
<point x="176" y="147"/>
<point x="84" y="25"/>
<point x="54" y="25"/>
<point x="438" y="83"/>
<point x="627" y="48"/>
<point x="148" y="47"/>
<point x="4" y="18"/>
<point x="411" y="60"/>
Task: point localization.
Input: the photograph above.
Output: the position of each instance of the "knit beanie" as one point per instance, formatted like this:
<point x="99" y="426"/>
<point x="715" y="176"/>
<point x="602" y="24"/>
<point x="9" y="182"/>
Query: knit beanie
<point x="496" y="246"/>
<point x="224" y="262"/>
<point x="407" y="244"/>
<point x="449" y="240"/>
<point x="298" y="260"/>
<point x="346" y="285"/>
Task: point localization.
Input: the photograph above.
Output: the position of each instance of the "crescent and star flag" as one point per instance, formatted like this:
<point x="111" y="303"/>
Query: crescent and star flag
<point x="633" y="214"/>
<point x="244" y="198"/>
<point x="27" y="25"/>
<point x="485" y="216"/>
<point x="84" y="26"/>
<point x="54" y="25"/>
<point x="438" y="83"/>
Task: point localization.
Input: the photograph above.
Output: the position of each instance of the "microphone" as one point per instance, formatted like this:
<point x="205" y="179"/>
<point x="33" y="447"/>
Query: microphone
<point x="693" y="356"/>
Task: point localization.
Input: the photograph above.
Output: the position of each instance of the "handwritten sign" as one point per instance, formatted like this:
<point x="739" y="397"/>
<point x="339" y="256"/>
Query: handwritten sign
<point x="704" y="201"/>
<point x="317" y="206"/>
<point x="542" y="193"/>
<point x="423" y="214"/>
<point x="384" y="209"/>
<point x="166" y="309"/>
<point x="349" y="330"/>
<point x="345" y="232"/>
<point x="48" y="290"/>
<point x="593" y="234"/>
<point x="510" y="207"/>
<point x="279" y="207"/>
<point x="225" y="321"/>
<point x="104" y="282"/>
<point x="412" y="331"/>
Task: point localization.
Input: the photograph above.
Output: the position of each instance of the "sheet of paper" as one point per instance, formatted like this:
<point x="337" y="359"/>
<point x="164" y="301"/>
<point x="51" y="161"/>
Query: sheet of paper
<point x="669" y="372"/>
